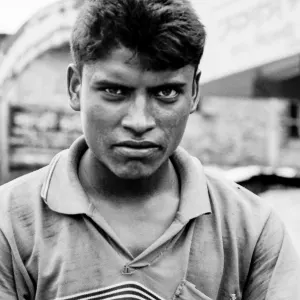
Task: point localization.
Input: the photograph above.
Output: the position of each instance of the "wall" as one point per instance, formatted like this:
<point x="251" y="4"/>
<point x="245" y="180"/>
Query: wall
<point x="44" y="81"/>
<point x="235" y="131"/>
<point x="37" y="134"/>
<point x="236" y="85"/>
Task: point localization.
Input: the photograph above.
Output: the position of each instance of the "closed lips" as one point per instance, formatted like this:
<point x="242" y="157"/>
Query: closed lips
<point x="137" y="145"/>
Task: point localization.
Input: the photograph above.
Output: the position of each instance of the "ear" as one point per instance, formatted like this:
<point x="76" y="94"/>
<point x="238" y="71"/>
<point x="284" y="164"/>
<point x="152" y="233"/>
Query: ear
<point x="196" y="92"/>
<point x="74" y="86"/>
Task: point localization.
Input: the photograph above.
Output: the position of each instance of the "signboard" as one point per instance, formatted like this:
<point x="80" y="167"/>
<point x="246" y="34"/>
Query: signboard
<point x="245" y="34"/>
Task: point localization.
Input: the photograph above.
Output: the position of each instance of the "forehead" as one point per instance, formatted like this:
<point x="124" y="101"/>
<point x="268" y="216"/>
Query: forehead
<point x="122" y="66"/>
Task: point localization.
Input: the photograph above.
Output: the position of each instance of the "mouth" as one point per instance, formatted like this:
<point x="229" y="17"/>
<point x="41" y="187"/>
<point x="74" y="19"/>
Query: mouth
<point x="137" y="148"/>
<point x="137" y="144"/>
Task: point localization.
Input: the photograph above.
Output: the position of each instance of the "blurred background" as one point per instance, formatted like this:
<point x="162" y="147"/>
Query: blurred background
<point x="247" y="126"/>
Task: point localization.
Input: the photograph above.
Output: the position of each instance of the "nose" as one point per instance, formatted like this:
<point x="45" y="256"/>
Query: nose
<point x="138" y="118"/>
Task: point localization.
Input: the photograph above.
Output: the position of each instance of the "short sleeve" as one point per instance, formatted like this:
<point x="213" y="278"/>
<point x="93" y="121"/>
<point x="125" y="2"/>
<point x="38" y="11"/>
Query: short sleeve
<point x="275" y="266"/>
<point x="7" y="282"/>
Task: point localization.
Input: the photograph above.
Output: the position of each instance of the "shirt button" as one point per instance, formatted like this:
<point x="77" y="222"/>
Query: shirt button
<point x="127" y="270"/>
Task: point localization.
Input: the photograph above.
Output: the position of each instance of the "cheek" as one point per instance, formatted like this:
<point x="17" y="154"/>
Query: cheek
<point x="178" y="128"/>
<point x="174" y="122"/>
<point x="98" y="118"/>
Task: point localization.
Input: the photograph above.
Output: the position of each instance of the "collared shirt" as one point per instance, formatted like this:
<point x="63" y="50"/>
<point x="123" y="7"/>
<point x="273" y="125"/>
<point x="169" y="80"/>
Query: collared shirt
<point x="223" y="243"/>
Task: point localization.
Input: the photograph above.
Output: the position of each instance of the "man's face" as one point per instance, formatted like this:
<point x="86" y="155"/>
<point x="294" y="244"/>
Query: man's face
<point x="133" y="119"/>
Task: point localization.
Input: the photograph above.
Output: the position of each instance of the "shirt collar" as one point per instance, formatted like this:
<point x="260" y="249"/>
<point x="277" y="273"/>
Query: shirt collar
<point x="63" y="192"/>
<point x="194" y="196"/>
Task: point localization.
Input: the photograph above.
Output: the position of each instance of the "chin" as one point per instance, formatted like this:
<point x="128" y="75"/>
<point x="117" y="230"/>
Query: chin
<point x="133" y="176"/>
<point x="134" y="172"/>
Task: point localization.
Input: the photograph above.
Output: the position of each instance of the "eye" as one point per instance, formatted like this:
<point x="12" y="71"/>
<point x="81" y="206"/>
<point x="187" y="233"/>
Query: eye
<point x="114" y="91"/>
<point x="167" y="93"/>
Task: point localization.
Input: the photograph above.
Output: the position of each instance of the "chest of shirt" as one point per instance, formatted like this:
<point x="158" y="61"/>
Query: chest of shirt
<point x="81" y="258"/>
<point x="77" y="256"/>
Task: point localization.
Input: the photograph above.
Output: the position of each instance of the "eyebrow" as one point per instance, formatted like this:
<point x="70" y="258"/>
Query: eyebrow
<point x="177" y="84"/>
<point x="105" y="82"/>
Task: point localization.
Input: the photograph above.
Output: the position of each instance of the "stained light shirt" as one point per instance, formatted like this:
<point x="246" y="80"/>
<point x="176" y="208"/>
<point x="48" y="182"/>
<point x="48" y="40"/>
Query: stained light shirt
<point x="224" y="243"/>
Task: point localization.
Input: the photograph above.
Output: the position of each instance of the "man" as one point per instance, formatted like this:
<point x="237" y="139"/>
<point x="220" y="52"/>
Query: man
<point x="125" y="213"/>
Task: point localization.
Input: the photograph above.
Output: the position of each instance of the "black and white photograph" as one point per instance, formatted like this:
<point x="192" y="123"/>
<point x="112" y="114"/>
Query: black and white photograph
<point x="150" y="149"/>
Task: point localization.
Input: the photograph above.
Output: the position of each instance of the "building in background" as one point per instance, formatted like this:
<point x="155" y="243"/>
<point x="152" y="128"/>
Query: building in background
<point x="249" y="114"/>
<point x="36" y="121"/>
<point x="2" y="38"/>
<point x="253" y="56"/>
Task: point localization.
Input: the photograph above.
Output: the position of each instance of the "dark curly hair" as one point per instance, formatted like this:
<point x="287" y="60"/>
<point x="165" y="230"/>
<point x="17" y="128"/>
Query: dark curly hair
<point x="164" y="34"/>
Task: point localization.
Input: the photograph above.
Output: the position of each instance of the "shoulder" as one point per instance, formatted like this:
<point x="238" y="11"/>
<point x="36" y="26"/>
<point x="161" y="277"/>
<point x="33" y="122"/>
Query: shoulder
<point x="21" y="195"/>
<point x="21" y="212"/>
<point x="24" y="185"/>
<point x="245" y="222"/>
<point x="241" y="215"/>
<point x="233" y="198"/>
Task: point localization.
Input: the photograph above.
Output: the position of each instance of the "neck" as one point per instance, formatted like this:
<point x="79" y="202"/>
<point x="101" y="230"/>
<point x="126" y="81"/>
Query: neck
<point x="101" y="183"/>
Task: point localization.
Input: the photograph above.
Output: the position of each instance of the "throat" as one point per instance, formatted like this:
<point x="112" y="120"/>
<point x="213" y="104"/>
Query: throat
<point x="139" y="224"/>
